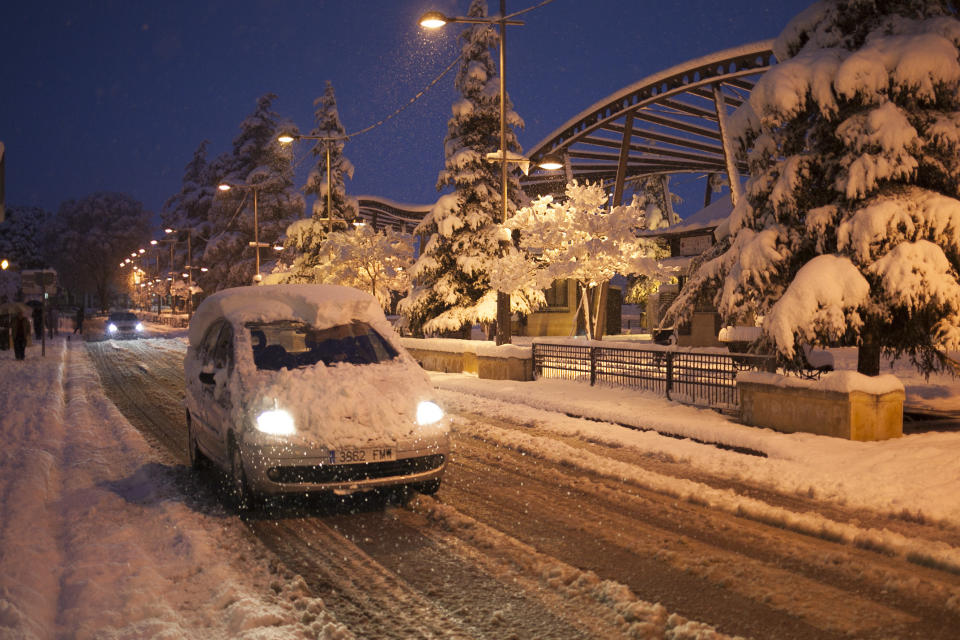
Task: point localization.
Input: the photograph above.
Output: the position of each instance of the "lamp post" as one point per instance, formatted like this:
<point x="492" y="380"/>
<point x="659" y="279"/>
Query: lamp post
<point x="227" y="186"/>
<point x="287" y="138"/>
<point x="156" y="243"/>
<point x="188" y="265"/>
<point x="434" y="20"/>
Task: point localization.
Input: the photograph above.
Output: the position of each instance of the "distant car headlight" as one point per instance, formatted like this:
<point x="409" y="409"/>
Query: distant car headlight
<point x="139" y="326"/>
<point x="428" y="413"/>
<point x="112" y="328"/>
<point x="275" y="422"/>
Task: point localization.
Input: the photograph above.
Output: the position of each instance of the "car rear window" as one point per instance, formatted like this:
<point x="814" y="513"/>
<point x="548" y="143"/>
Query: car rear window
<point x="290" y="345"/>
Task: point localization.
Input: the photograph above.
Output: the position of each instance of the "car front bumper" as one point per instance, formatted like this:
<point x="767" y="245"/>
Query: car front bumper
<point x="274" y="472"/>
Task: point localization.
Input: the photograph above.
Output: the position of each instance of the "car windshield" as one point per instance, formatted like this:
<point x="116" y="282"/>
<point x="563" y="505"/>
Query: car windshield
<point x="291" y="345"/>
<point x="122" y="317"/>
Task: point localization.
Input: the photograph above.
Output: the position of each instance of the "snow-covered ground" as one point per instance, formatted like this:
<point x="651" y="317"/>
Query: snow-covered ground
<point x="98" y="539"/>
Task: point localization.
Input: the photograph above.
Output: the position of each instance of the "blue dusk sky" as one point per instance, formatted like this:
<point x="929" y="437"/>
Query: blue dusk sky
<point x="116" y="95"/>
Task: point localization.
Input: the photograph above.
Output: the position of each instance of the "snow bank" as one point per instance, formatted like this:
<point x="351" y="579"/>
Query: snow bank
<point x="880" y="476"/>
<point x="841" y="381"/>
<point x="476" y="347"/>
<point x="98" y="539"/>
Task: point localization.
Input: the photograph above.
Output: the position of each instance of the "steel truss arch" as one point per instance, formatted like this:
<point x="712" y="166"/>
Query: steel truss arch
<point x="670" y="122"/>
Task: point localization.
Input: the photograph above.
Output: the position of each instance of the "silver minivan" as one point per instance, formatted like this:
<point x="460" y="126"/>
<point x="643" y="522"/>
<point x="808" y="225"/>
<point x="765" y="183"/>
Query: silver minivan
<point x="305" y="388"/>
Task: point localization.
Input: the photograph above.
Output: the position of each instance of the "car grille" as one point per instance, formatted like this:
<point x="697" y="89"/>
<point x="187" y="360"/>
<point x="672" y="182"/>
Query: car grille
<point x="321" y="474"/>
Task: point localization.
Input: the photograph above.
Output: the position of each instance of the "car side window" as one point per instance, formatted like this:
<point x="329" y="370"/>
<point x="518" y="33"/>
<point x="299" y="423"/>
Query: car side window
<point x="223" y="353"/>
<point x="209" y="344"/>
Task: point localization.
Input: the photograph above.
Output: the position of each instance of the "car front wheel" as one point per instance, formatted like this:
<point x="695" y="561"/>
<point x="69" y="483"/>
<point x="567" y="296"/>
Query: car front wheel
<point x="241" y="494"/>
<point x="196" y="457"/>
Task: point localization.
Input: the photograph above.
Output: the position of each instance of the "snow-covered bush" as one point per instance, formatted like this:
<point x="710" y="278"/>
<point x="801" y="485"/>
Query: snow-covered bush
<point x="850" y="229"/>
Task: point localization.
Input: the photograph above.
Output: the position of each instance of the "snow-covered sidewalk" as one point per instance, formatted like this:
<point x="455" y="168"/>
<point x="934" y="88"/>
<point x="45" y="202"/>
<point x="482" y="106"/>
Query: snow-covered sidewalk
<point x="915" y="474"/>
<point x="96" y="539"/>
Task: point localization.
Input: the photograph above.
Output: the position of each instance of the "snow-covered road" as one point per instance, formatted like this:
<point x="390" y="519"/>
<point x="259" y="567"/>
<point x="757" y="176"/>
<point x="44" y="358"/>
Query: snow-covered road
<point x="546" y="527"/>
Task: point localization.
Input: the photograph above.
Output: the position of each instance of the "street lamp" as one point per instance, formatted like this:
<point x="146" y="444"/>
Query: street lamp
<point x="287" y="138"/>
<point x="434" y="20"/>
<point x="156" y="243"/>
<point x="227" y="186"/>
<point x="551" y="162"/>
<point x="187" y="265"/>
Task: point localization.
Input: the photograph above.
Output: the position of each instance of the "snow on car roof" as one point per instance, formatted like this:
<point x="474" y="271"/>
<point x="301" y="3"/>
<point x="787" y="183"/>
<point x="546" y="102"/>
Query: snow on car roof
<point x="320" y="305"/>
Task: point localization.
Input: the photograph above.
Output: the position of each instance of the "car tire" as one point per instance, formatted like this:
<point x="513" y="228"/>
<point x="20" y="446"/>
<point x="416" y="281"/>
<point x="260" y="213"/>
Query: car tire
<point x="240" y="493"/>
<point x="197" y="459"/>
<point x="428" y="488"/>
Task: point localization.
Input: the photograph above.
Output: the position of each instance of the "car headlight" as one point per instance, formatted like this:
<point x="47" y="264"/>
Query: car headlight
<point x="112" y="328"/>
<point x="428" y="413"/>
<point x="275" y="422"/>
<point x="139" y="326"/>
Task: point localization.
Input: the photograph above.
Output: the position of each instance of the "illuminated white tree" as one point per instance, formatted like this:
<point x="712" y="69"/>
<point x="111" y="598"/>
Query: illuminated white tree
<point x="579" y="238"/>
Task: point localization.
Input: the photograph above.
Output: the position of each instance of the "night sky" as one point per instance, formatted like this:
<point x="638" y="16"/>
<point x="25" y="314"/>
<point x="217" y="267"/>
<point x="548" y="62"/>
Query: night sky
<point x="116" y="95"/>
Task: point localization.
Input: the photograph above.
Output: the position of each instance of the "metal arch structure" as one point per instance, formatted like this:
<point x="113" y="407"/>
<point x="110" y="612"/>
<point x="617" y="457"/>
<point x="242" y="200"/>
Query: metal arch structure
<point x="382" y="213"/>
<point x="671" y="122"/>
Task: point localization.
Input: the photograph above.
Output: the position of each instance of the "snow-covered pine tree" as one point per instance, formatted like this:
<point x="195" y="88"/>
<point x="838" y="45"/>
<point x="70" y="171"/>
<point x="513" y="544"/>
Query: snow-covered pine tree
<point x="850" y="229"/>
<point x="328" y="126"/>
<point x="452" y="285"/>
<point x="305" y="237"/>
<point x="660" y="200"/>
<point x="190" y="209"/>
<point x="257" y="159"/>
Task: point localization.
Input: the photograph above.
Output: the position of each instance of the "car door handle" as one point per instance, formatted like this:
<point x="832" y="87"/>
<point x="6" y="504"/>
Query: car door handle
<point x="206" y="378"/>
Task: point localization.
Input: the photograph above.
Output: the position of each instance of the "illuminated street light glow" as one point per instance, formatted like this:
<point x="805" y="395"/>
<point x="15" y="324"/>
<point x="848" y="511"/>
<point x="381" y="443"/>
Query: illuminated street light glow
<point x="433" y="20"/>
<point x="551" y="162"/>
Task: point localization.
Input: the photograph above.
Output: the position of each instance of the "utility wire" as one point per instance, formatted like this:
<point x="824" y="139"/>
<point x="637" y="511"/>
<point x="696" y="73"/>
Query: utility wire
<point x="411" y="101"/>
<point x="528" y="9"/>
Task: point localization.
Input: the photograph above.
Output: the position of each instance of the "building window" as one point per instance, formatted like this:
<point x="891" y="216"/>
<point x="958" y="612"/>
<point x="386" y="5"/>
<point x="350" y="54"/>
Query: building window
<point x="556" y="295"/>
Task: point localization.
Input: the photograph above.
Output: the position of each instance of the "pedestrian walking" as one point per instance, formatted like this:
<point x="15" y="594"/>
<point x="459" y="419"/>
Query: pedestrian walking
<point x="53" y="320"/>
<point x="20" y="331"/>
<point x="38" y="322"/>
<point x="78" y="321"/>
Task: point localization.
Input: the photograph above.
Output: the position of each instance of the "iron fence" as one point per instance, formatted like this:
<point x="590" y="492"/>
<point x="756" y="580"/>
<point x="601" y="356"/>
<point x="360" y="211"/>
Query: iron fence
<point x="706" y="379"/>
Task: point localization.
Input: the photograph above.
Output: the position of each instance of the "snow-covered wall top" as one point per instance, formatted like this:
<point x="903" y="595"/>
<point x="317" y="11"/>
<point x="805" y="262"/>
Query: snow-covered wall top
<point x="476" y="347"/>
<point x="841" y="381"/>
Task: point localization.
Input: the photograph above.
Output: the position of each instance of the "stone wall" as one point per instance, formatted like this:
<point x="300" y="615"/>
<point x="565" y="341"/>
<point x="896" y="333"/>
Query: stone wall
<point x="849" y="413"/>
<point x="479" y="359"/>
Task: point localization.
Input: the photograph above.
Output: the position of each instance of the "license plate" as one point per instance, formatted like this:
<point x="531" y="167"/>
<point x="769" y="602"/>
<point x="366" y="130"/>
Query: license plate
<point x="358" y="456"/>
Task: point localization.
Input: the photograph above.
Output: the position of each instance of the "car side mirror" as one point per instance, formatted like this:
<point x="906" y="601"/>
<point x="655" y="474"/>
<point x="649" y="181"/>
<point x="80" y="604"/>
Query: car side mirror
<point x="206" y="377"/>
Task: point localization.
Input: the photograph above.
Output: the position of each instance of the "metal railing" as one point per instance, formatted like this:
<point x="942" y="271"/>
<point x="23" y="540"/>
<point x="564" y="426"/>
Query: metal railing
<point x="706" y="379"/>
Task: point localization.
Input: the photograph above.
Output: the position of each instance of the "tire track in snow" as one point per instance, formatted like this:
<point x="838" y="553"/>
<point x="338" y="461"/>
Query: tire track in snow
<point x="772" y="569"/>
<point x="150" y="397"/>
<point x="372" y="601"/>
